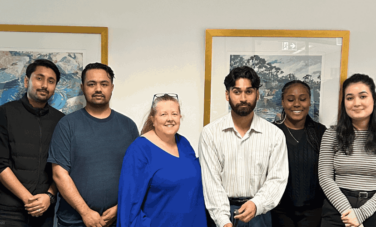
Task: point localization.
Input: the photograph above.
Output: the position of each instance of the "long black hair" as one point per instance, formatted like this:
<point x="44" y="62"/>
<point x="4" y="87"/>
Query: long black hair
<point x="345" y="129"/>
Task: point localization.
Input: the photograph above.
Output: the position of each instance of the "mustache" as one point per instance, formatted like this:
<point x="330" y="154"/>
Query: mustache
<point x="98" y="94"/>
<point x="44" y="90"/>
<point x="243" y="104"/>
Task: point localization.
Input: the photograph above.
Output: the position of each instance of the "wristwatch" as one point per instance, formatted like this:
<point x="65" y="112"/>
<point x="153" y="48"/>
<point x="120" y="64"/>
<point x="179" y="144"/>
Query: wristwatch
<point x="52" y="197"/>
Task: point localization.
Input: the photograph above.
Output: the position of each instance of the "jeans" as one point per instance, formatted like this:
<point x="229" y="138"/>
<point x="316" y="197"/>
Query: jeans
<point x="22" y="219"/>
<point x="262" y="220"/>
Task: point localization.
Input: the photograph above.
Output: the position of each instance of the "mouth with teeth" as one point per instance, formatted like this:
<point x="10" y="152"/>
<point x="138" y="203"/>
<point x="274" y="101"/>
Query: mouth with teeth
<point x="296" y="111"/>
<point x="169" y="126"/>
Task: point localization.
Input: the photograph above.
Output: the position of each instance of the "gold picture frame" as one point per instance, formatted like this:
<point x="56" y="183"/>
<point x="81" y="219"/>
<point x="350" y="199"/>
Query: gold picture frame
<point x="278" y="35"/>
<point x="102" y="31"/>
<point x="69" y="47"/>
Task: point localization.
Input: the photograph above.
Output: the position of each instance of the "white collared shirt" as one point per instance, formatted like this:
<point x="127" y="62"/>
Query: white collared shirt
<point x="255" y="165"/>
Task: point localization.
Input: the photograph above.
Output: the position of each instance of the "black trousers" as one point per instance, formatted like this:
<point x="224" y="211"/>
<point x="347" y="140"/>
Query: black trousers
<point x="331" y="217"/>
<point x="296" y="216"/>
<point x="22" y="219"/>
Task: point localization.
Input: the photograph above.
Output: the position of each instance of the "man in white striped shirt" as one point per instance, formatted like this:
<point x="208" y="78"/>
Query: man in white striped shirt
<point x="243" y="158"/>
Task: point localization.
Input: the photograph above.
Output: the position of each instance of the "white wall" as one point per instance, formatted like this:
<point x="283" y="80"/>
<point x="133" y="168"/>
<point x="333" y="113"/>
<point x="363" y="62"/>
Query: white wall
<point x="159" y="45"/>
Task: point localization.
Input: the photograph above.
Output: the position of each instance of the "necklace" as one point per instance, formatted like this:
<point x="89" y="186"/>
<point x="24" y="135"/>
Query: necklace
<point x="292" y="135"/>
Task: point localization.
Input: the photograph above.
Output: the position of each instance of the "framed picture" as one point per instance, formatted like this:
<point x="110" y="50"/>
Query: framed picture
<point x="69" y="47"/>
<point x="318" y="58"/>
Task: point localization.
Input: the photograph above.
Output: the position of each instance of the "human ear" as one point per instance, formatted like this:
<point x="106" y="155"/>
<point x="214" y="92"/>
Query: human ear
<point x="26" y="81"/>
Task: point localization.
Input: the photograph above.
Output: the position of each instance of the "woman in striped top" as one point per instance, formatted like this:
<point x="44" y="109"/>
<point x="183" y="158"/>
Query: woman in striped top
<point x="347" y="163"/>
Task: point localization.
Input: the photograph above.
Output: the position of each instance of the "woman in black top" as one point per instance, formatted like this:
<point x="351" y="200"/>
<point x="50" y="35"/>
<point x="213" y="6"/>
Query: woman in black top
<point x="303" y="198"/>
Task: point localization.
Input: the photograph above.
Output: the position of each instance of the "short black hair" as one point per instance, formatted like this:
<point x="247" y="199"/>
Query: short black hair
<point x="98" y="65"/>
<point x="45" y="63"/>
<point x="294" y="82"/>
<point x="242" y="72"/>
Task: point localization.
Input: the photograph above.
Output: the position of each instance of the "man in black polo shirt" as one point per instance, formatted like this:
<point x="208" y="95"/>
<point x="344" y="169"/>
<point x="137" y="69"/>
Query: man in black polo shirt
<point x="27" y="192"/>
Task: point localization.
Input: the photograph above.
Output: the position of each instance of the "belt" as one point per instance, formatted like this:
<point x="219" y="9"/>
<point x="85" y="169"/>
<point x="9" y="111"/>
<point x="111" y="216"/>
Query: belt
<point x="358" y="194"/>
<point x="238" y="201"/>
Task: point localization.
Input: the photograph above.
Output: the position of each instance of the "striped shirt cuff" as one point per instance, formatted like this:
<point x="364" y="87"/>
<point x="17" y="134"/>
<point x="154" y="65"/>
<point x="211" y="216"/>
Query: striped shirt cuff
<point x="359" y="215"/>
<point x="257" y="202"/>
<point x="223" y="221"/>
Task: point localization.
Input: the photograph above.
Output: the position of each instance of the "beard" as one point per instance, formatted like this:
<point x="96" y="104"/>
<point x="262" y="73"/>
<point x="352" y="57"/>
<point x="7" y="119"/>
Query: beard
<point x="243" y="108"/>
<point x="34" y="96"/>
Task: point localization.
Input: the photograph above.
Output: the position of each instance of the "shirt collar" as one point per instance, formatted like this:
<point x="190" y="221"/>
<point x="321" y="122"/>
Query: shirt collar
<point x="255" y="125"/>
<point x="36" y="111"/>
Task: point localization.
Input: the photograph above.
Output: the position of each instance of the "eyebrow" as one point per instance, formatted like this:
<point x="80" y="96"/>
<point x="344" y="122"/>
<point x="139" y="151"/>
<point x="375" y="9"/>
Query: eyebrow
<point x="93" y="81"/>
<point x="40" y="74"/>
<point x="238" y="88"/>
<point x="362" y="92"/>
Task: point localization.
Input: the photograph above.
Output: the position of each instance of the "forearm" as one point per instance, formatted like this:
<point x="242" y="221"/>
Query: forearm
<point x="68" y="190"/>
<point x="366" y="210"/>
<point x="10" y="181"/>
<point x="52" y="189"/>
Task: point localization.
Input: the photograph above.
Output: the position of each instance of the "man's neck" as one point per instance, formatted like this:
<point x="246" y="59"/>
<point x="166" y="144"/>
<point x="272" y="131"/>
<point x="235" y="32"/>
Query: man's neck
<point x="242" y="123"/>
<point x="98" y="111"/>
<point x="35" y="104"/>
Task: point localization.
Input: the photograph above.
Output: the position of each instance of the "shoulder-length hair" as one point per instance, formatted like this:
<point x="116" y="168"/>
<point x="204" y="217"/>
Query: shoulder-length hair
<point x="345" y="130"/>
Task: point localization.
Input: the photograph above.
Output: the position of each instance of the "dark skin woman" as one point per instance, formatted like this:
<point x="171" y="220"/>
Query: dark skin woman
<point x="302" y="201"/>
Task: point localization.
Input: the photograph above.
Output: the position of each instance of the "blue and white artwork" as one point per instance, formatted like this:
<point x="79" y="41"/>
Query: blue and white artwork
<point x="276" y="70"/>
<point x="68" y="96"/>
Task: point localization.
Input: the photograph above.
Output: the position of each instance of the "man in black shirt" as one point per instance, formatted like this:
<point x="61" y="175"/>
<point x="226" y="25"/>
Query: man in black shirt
<point x="27" y="192"/>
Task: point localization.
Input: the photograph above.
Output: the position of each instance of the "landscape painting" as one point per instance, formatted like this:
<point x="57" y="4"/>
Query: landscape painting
<point x="276" y="70"/>
<point x="68" y="96"/>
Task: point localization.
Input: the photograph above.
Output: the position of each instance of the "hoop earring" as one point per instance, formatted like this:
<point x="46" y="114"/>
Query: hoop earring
<point x="283" y="115"/>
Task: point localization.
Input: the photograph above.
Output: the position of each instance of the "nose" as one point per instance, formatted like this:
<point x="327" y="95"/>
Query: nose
<point x="356" y="101"/>
<point x="44" y="84"/>
<point x="296" y="103"/>
<point x="98" y="87"/>
<point x="169" y="117"/>
<point x="242" y="97"/>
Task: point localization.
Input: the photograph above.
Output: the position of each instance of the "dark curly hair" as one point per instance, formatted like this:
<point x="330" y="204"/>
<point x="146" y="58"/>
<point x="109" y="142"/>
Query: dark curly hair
<point x="242" y="72"/>
<point x="345" y="130"/>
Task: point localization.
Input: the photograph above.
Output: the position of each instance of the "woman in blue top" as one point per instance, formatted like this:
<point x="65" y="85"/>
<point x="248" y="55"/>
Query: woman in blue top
<point x="160" y="182"/>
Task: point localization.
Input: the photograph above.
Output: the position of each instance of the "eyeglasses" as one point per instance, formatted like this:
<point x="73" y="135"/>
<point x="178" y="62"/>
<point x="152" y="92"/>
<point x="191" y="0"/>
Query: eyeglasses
<point x="159" y="95"/>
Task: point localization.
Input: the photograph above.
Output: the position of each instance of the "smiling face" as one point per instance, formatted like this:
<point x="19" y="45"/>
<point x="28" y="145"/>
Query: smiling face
<point x="97" y="87"/>
<point x="242" y="97"/>
<point x="41" y="85"/>
<point x="296" y="103"/>
<point x="358" y="101"/>
<point x="167" y="118"/>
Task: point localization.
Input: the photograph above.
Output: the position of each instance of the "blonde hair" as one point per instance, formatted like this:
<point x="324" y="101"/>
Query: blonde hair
<point x="148" y="125"/>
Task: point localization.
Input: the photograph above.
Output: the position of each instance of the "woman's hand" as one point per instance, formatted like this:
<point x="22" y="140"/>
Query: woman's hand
<point x="349" y="219"/>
